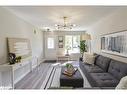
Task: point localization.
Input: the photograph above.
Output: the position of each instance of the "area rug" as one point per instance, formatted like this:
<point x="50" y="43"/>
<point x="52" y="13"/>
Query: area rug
<point x="52" y="80"/>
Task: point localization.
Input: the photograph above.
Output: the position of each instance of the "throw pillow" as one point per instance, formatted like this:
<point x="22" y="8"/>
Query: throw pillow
<point x="89" y="59"/>
<point x="87" y="54"/>
<point x="122" y="84"/>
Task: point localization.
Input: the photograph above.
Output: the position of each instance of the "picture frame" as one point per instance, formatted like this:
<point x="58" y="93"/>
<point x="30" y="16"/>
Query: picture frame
<point x="19" y="47"/>
<point x="60" y="46"/>
<point x="60" y="41"/>
<point x="115" y="43"/>
<point x="60" y="38"/>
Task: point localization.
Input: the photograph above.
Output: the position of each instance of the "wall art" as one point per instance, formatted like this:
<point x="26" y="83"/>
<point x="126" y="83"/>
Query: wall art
<point x="115" y="43"/>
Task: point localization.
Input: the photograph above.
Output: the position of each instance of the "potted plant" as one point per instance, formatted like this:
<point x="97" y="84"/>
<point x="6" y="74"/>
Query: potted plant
<point x="67" y="48"/>
<point x="70" y="68"/>
<point x="83" y="47"/>
<point x="18" y="59"/>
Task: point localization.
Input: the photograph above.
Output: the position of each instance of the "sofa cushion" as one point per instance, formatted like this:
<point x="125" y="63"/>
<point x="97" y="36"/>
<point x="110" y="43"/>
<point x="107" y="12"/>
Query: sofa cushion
<point x="117" y="69"/>
<point x="103" y="62"/>
<point x="104" y="80"/>
<point x="93" y="69"/>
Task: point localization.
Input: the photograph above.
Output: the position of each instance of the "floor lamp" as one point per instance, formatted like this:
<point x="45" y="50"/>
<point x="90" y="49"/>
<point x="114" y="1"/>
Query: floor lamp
<point x="87" y="37"/>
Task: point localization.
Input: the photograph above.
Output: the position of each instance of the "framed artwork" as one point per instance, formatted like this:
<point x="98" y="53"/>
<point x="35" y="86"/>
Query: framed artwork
<point x="19" y="47"/>
<point x="115" y="43"/>
<point x="60" y="38"/>
<point x="60" y="46"/>
<point x="60" y="41"/>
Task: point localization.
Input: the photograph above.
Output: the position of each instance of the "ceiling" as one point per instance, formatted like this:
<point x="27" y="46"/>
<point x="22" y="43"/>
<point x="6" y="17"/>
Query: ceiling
<point x="48" y="16"/>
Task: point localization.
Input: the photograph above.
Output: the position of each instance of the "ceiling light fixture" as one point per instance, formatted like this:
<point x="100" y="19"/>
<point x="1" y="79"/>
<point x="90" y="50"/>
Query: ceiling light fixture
<point x="65" y="25"/>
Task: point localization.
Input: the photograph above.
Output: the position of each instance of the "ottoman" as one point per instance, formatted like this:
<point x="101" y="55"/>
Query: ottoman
<point x="75" y="81"/>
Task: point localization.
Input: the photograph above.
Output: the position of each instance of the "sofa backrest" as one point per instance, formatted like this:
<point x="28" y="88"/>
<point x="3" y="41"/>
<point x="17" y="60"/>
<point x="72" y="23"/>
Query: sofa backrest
<point x="117" y="69"/>
<point x="96" y="56"/>
<point x="102" y="62"/>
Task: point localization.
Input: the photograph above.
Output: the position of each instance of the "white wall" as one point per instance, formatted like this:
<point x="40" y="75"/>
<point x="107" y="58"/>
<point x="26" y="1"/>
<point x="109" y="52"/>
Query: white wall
<point x="12" y="26"/>
<point x="116" y="21"/>
<point x="52" y="54"/>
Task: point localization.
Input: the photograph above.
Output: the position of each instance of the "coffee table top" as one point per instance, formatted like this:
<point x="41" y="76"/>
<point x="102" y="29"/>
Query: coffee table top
<point x="76" y="75"/>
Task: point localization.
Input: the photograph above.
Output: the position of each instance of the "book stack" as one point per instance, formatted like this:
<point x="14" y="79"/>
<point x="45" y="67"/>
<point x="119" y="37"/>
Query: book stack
<point x="69" y="73"/>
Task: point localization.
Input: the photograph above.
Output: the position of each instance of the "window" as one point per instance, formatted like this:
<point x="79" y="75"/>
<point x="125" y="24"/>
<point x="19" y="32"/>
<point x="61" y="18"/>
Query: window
<point x="50" y="43"/>
<point x="72" y="43"/>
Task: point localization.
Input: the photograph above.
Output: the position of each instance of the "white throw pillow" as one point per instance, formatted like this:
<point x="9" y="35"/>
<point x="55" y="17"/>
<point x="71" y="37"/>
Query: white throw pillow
<point x="89" y="58"/>
<point x="86" y="54"/>
<point x="122" y="84"/>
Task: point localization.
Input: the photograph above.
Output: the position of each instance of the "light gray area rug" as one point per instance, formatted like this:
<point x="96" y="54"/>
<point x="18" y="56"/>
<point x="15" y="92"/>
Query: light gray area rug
<point x="52" y="79"/>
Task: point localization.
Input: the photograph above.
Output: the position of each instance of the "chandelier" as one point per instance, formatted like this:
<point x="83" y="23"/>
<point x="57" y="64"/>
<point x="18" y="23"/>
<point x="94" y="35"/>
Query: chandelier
<point x="65" y="24"/>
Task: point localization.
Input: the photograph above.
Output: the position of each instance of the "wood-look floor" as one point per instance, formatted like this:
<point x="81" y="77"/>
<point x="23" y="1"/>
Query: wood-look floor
<point x="34" y="79"/>
<point x="38" y="78"/>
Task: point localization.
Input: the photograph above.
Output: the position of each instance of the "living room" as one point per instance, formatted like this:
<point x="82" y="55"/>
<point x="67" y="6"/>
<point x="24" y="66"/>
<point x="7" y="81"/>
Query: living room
<point x="49" y="37"/>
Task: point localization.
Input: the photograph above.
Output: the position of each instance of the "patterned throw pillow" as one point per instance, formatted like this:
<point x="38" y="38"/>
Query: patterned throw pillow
<point x="122" y="84"/>
<point x="89" y="59"/>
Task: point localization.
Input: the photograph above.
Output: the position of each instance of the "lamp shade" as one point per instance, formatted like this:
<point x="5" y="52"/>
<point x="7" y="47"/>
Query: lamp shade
<point x="86" y="37"/>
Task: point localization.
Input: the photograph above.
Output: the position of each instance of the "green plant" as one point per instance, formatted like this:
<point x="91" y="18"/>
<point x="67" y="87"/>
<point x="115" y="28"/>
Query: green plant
<point x="18" y="59"/>
<point x="83" y="47"/>
<point x="69" y="65"/>
<point x="67" y="48"/>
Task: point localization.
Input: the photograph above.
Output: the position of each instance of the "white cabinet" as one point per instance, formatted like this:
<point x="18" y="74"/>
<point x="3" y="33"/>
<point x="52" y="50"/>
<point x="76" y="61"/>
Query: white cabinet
<point x="14" y="72"/>
<point x="5" y="77"/>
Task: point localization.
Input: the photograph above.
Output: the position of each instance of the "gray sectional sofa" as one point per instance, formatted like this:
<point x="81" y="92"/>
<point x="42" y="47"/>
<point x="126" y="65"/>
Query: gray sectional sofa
<point x="105" y="73"/>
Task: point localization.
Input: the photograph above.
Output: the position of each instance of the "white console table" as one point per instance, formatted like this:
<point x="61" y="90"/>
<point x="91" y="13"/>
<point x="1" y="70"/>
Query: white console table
<point x="13" y="68"/>
<point x="63" y="58"/>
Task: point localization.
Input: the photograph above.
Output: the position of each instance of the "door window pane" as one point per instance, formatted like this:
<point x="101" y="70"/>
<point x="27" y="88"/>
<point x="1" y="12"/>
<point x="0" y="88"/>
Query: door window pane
<point x="72" y="43"/>
<point x="50" y="43"/>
